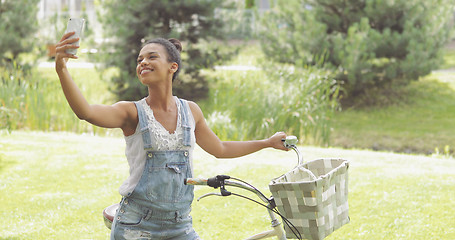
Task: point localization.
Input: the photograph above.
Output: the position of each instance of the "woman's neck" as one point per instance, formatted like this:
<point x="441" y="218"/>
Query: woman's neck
<point x="161" y="98"/>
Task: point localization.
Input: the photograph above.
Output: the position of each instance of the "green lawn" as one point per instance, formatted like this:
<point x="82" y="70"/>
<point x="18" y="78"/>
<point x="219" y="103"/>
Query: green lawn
<point x="421" y="122"/>
<point x="55" y="186"/>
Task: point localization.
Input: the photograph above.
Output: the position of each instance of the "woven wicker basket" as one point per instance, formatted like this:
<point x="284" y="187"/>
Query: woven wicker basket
<point x="314" y="197"/>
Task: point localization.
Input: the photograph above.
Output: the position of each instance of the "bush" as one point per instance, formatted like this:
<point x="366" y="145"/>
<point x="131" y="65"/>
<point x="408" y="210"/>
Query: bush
<point x="17" y="26"/>
<point x="371" y="45"/>
<point x="256" y="104"/>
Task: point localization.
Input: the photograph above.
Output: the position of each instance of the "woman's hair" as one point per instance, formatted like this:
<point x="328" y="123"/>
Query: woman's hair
<point x="173" y="48"/>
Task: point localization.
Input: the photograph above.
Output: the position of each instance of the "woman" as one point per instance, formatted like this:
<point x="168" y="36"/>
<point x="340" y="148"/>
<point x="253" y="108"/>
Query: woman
<point x="160" y="133"/>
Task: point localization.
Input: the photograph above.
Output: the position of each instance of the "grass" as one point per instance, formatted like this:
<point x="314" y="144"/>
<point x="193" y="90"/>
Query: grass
<point x="94" y="89"/>
<point x="449" y="57"/>
<point x="35" y="101"/>
<point x="57" y="184"/>
<point x="422" y="123"/>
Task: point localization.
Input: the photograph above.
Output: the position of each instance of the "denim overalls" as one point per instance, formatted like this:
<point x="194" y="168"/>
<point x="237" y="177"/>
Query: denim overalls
<point x="159" y="206"/>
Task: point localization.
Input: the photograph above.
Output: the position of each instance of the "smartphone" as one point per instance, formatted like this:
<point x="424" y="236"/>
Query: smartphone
<point x="75" y="25"/>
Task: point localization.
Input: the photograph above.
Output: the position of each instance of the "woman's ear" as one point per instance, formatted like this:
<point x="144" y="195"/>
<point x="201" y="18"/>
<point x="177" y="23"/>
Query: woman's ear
<point x="174" y="67"/>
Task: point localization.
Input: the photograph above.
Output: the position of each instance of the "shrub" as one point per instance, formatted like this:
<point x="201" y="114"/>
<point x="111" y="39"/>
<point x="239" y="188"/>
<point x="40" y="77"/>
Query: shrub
<point x="372" y="45"/>
<point x="17" y="26"/>
<point x="256" y="104"/>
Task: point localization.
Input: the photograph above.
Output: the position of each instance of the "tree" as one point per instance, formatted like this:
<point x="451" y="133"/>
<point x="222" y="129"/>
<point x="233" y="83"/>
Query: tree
<point x="372" y="45"/>
<point x="17" y="26"/>
<point x="130" y="23"/>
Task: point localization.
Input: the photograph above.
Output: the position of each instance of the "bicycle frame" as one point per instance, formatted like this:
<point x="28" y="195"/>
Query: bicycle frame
<point x="221" y="180"/>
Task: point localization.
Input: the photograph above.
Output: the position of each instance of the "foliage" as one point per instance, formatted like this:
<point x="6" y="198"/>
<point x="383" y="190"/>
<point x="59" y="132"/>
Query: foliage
<point x="241" y="22"/>
<point x="20" y="94"/>
<point x="12" y="84"/>
<point x="32" y="99"/>
<point x="127" y="24"/>
<point x="256" y="104"/>
<point x="372" y="45"/>
<point x="17" y="26"/>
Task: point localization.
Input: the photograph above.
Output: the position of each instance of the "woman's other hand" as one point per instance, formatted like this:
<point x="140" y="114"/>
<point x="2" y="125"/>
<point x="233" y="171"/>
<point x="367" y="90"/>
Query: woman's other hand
<point x="276" y="141"/>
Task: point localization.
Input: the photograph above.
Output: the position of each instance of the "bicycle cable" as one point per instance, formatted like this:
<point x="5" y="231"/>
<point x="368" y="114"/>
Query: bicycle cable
<point x="240" y="180"/>
<point x="286" y="221"/>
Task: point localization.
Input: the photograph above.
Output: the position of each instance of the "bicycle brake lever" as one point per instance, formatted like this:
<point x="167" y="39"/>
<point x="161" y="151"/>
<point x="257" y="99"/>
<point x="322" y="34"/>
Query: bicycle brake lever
<point x="208" y="195"/>
<point x="223" y="193"/>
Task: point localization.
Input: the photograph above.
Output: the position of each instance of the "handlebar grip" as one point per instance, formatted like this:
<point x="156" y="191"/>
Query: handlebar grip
<point x="195" y="181"/>
<point x="290" y="141"/>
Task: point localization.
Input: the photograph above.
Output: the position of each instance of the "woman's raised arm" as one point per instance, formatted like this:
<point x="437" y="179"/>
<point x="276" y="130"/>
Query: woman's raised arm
<point x="120" y="115"/>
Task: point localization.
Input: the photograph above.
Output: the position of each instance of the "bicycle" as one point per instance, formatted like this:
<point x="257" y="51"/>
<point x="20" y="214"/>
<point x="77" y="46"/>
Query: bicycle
<point x="221" y="181"/>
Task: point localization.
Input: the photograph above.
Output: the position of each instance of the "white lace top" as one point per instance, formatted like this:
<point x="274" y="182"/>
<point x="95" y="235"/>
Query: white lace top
<point x="165" y="140"/>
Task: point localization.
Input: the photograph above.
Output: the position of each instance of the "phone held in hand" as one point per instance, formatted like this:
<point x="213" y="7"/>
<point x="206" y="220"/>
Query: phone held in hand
<point x="75" y="25"/>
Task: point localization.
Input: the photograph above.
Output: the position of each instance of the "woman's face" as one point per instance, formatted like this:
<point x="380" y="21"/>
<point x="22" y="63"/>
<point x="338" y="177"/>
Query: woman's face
<point x="152" y="64"/>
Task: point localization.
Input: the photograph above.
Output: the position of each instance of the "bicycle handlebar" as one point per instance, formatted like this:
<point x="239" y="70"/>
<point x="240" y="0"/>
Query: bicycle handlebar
<point x="195" y="181"/>
<point x="214" y="182"/>
<point x="220" y="181"/>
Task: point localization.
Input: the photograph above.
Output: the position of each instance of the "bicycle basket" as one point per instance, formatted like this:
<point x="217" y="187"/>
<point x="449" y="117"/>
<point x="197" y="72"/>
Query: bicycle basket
<point x="313" y="197"/>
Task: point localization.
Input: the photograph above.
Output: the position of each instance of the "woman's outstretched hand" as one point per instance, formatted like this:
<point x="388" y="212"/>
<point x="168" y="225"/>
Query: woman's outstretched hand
<point x="61" y="57"/>
<point x="276" y="141"/>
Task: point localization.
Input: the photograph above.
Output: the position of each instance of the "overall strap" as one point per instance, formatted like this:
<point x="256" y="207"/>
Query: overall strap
<point x="143" y="125"/>
<point x="185" y="111"/>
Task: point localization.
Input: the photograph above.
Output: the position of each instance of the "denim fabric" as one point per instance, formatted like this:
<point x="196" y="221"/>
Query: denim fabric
<point x="160" y="205"/>
<point x="134" y="221"/>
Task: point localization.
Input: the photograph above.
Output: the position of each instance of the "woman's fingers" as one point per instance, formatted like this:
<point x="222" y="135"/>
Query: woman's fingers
<point x="67" y="41"/>
<point x="65" y="44"/>
<point x="64" y="47"/>
<point x="67" y="35"/>
<point x="60" y="51"/>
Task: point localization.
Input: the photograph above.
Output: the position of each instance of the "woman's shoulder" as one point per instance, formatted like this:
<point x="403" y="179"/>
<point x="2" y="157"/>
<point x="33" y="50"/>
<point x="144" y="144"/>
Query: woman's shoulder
<point x="195" y="109"/>
<point x="128" y="107"/>
<point x="128" y="111"/>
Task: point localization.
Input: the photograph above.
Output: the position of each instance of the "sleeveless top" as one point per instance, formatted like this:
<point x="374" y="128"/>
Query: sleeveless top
<point x="162" y="140"/>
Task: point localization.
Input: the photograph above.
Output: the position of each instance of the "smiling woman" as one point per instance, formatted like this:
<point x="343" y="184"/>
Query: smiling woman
<point x="160" y="131"/>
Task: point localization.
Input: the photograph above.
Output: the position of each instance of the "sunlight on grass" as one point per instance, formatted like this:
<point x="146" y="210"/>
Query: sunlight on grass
<point x="421" y="123"/>
<point x="449" y="59"/>
<point x="59" y="183"/>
